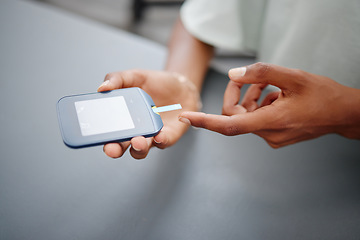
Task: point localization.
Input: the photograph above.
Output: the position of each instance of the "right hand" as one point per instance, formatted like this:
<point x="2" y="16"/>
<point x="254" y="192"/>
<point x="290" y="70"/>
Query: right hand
<point x="307" y="107"/>
<point x="165" y="88"/>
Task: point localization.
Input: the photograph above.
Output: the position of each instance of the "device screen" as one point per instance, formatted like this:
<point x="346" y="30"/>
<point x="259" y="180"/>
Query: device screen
<point x="103" y="115"/>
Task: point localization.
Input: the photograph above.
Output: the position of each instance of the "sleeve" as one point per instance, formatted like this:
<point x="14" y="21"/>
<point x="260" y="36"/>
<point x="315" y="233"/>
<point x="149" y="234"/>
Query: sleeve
<point x="228" y="24"/>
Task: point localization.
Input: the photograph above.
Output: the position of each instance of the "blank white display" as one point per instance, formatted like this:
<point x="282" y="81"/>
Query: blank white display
<point x="103" y="115"/>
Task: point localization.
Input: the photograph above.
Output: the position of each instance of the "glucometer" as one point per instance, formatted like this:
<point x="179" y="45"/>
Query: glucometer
<point x="114" y="116"/>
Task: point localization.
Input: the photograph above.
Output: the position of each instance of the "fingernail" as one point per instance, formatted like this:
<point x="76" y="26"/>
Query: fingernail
<point x="237" y="72"/>
<point x="184" y="120"/>
<point x="105" y="83"/>
<point x="156" y="141"/>
<point x="136" y="149"/>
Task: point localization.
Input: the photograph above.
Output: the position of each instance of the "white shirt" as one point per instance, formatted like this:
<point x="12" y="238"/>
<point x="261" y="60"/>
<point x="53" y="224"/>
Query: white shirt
<point x="318" y="36"/>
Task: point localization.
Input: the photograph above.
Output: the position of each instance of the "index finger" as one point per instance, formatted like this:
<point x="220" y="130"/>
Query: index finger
<point x="230" y="125"/>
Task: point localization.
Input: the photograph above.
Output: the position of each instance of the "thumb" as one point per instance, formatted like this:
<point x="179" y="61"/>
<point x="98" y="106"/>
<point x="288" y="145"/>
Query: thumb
<point x="124" y="79"/>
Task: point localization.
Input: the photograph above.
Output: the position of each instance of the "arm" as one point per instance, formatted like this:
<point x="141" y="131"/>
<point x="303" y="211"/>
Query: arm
<point x="188" y="56"/>
<point x="187" y="63"/>
<point x="307" y="107"/>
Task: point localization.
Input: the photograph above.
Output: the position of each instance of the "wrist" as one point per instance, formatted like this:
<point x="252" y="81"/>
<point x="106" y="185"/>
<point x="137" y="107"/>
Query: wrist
<point x="350" y="126"/>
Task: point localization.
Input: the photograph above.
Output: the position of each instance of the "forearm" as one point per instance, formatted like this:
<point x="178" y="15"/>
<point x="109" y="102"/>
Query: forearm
<point x="188" y="56"/>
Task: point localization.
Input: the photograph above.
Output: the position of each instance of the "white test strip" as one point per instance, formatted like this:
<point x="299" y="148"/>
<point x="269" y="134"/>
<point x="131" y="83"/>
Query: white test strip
<point x="167" y="108"/>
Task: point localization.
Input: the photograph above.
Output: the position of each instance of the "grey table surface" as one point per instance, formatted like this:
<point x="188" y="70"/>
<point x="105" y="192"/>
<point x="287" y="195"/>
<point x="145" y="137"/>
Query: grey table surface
<point x="207" y="186"/>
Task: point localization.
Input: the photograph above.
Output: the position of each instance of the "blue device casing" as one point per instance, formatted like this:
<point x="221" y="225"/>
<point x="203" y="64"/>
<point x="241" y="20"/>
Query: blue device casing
<point x="147" y="122"/>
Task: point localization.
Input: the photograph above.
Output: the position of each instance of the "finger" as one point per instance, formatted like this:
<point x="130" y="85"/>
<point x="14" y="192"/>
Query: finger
<point x="170" y="134"/>
<point x="140" y="147"/>
<point x="231" y="99"/>
<point x="270" y="98"/>
<point x="116" y="150"/>
<point x="162" y="140"/>
<point x="282" y="77"/>
<point x="125" y="79"/>
<point x="251" y="97"/>
<point x="229" y="125"/>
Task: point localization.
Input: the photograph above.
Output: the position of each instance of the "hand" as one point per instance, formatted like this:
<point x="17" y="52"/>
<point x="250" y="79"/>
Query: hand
<point x="307" y="106"/>
<point x="165" y="88"/>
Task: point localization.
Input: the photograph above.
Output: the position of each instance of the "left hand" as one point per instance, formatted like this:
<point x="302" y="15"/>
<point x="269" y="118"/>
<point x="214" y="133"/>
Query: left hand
<point x="307" y="107"/>
<point x="165" y="88"/>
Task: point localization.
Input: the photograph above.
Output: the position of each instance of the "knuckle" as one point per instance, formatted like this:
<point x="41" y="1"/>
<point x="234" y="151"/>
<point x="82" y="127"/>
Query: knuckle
<point x="274" y="146"/>
<point x="272" y="142"/>
<point x="277" y="140"/>
<point x="274" y="139"/>
<point x="201" y="122"/>
<point x="300" y="74"/>
<point x="136" y="76"/>
<point x="230" y="130"/>
<point x="297" y="71"/>
<point x="262" y="69"/>
<point x="138" y="73"/>
<point x="108" y="76"/>
<point x="300" y="78"/>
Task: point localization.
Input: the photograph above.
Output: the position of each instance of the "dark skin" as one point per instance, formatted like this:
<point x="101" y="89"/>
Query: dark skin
<point x="308" y="105"/>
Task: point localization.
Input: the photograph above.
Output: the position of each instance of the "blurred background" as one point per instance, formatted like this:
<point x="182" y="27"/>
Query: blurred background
<point x="238" y="188"/>
<point x="148" y="18"/>
<point x="152" y="19"/>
